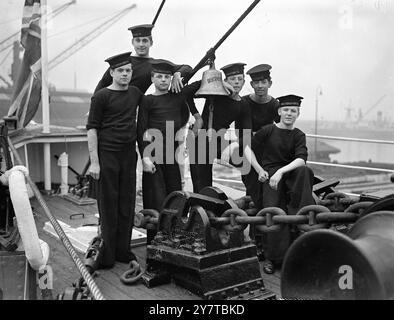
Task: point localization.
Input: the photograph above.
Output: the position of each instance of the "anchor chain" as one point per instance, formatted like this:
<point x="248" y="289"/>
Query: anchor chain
<point x="335" y="209"/>
<point x="336" y="201"/>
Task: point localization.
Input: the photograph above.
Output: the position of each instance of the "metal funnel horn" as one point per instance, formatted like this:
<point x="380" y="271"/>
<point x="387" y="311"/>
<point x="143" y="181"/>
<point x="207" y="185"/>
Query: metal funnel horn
<point x="211" y="84"/>
<point x="325" y="264"/>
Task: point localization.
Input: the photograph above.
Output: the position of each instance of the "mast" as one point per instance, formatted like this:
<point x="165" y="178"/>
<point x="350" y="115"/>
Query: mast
<point x="45" y="96"/>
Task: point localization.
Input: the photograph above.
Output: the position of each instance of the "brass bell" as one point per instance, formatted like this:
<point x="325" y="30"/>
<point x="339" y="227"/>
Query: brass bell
<point x="324" y="264"/>
<point x="211" y="84"/>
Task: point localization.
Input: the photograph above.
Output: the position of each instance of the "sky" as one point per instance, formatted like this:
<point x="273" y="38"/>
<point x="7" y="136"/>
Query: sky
<point x="343" y="49"/>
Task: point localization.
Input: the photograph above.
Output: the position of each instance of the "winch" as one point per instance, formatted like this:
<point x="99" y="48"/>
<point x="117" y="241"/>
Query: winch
<point x="192" y="247"/>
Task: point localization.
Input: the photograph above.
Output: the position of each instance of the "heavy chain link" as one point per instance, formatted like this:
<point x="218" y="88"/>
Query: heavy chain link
<point x="311" y="212"/>
<point x="146" y="218"/>
<point x="336" y="201"/>
<point x="273" y="219"/>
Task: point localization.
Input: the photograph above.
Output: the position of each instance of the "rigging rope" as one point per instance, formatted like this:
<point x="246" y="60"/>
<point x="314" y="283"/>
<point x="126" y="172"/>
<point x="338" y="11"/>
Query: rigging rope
<point x="95" y="291"/>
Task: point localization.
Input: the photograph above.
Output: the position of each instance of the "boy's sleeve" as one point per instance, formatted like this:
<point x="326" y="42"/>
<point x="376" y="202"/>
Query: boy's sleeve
<point x="142" y="124"/>
<point x="96" y="112"/>
<point x="244" y="122"/>
<point x="189" y="91"/>
<point x="300" y="148"/>
<point x="260" y="137"/>
<point x="139" y="93"/>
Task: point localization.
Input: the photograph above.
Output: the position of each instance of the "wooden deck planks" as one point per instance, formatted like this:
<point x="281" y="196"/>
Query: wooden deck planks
<point x="271" y="282"/>
<point x="63" y="210"/>
<point x="65" y="272"/>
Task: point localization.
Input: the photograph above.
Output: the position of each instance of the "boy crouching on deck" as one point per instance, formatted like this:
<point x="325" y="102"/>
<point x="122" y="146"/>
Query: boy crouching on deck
<point x="279" y="158"/>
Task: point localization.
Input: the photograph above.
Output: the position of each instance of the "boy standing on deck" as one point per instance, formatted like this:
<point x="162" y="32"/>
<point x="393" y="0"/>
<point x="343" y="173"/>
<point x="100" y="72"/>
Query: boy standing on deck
<point x="263" y="111"/>
<point x="263" y="107"/>
<point x="142" y="41"/>
<point x="279" y="158"/>
<point x="160" y="117"/>
<point x="226" y="110"/>
<point x="112" y="133"/>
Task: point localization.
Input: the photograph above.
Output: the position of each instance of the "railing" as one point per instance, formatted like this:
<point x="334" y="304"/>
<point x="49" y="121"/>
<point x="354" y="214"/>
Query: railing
<point x="327" y="164"/>
<point x="349" y="139"/>
<point x="388" y="142"/>
<point x="349" y="166"/>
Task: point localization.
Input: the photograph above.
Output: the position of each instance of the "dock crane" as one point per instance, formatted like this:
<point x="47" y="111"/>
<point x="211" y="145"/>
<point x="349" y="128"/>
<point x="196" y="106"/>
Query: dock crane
<point x="13" y="38"/>
<point x="349" y="111"/>
<point x="65" y="54"/>
<point x="87" y="38"/>
<point x="8" y="42"/>
<point x="362" y="116"/>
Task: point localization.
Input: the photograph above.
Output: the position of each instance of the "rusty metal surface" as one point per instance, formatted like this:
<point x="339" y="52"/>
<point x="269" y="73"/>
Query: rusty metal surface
<point x="200" y="241"/>
<point x="198" y="253"/>
<point x="324" y="264"/>
<point x="184" y="258"/>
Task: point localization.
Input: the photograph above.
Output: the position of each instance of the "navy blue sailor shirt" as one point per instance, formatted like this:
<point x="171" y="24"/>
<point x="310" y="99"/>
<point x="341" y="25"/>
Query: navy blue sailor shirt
<point x="113" y="114"/>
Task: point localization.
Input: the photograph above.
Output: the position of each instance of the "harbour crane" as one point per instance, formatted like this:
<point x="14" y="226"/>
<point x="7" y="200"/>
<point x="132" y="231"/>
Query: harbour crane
<point x="349" y="112"/>
<point x="362" y="116"/>
<point x="79" y="44"/>
<point x="8" y="42"/>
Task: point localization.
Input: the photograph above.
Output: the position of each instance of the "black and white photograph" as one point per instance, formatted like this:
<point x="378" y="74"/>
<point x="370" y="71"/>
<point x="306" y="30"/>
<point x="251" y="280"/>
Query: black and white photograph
<point x="177" y="152"/>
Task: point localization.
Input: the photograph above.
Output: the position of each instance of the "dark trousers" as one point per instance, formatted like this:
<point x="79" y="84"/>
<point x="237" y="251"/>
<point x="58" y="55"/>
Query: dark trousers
<point x="201" y="161"/>
<point x="157" y="186"/>
<point x="116" y="203"/>
<point x="251" y="183"/>
<point x="294" y="192"/>
<point x="201" y="176"/>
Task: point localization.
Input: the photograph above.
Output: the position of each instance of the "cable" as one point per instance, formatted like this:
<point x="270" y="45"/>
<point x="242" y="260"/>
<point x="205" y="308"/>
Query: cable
<point x="78" y="26"/>
<point x="12" y="20"/>
<point x="6" y="56"/>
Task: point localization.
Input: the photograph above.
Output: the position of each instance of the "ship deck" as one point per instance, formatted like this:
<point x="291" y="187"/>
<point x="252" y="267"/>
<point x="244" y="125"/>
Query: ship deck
<point x="65" y="272"/>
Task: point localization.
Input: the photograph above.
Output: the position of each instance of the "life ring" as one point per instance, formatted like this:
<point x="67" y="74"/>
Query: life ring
<point x="36" y="250"/>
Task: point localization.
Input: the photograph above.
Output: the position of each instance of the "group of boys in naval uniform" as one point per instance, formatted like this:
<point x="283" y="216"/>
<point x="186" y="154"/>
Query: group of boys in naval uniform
<point x="267" y="139"/>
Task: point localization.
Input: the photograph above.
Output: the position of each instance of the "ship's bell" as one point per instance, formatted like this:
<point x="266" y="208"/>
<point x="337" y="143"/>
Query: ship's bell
<point x="324" y="264"/>
<point x="211" y="84"/>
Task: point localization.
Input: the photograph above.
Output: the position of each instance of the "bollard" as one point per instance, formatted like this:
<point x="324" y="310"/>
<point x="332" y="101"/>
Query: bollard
<point x="63" y="163"/>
